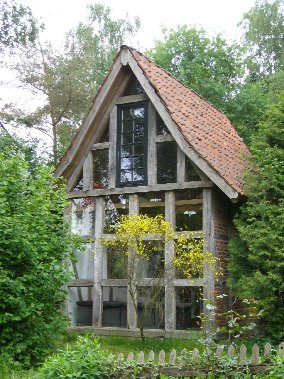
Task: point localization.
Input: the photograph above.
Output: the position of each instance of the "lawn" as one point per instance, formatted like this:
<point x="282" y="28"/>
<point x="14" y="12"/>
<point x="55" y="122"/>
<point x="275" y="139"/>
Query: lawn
<point x="125" y="345"/>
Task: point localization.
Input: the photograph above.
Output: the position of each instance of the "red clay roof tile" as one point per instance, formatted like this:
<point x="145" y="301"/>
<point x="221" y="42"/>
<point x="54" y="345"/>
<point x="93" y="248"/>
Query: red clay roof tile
<point x="206" y="129"/>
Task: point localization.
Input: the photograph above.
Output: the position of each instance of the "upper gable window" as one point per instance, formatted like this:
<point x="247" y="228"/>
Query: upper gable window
<point x="132" y="144"/>
<point x="134" y="88"/>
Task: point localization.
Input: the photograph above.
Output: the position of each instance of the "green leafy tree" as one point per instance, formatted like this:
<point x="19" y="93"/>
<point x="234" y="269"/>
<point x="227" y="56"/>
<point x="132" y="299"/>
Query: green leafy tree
<point x="35" y="251"/>
<point x="263" y="37"/>
<point x="210" y="66"/>
<point x="17" y="25"/>
<point x="67" y="81"/>
<point x="247" y="108"/>
<point x="257" y="257"/>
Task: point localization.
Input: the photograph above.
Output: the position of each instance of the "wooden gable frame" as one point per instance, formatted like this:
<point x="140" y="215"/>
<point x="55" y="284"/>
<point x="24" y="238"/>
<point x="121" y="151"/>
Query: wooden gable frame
<point x="71" y="165"/>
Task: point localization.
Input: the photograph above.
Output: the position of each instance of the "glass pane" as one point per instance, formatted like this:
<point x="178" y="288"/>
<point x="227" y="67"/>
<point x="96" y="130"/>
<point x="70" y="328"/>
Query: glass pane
<point x="138" y="149"/>
<point x="189" y="194"/>
<point x="153" y="265"/>
<point x="79" y="185"/>
<point x="100" y="171"/>
<point x="166" y="162"/>
<point x="126" y="150"/>
<point x="84" y="306"/>
<point x="126" y="176"/>
<point x="190" y="173"/>
<point x="189" y="204"/>
<point x="115" y="307"/>
<point x="138" y="175"/>
<point x="189" y="217"/>
<point x="138" y="131"/>
<point x="133" y="113"/>
<point x="116" y="264"/>
<point x="152" y="204"/>
<point x="134" y="88"/>
<point x="132" y="146"/>
<point x="138" y="162"/>
<point x="126" y="163"/>
<point x="188" y="306"/>
<point x="126" y="138"/>
<point x="127" y="126"/>
<point x="138" y="112"/>
<point x="115" y="207"/>
<point x="105" y="136"/>
<point x="161" y="127"/>
<point x="151" y="306"/>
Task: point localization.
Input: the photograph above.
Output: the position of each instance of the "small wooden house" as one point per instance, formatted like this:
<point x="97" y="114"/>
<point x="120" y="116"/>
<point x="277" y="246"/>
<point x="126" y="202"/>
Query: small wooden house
<point x="149" y="145"/>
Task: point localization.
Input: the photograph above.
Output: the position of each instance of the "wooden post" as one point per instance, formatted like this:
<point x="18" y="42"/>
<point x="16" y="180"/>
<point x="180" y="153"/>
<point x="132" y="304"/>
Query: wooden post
<point x="180" y="165"/>
<point x="98" y="264"/>
<point x="88" y="173"/>
<point x="208" y="290"/>
<point x="152" y="162"/>
<point x="112" y="147"/>
<point x="131" y="314"/>
<point x="170" y="296"/>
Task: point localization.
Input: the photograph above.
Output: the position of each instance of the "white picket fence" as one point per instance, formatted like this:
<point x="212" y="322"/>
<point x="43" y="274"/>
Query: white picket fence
<point x="176" y="365"/>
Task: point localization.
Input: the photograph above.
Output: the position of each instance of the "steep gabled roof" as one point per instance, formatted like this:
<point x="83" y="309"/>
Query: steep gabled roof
<point x="206" y="129"/>
<point x="202" y="131"/>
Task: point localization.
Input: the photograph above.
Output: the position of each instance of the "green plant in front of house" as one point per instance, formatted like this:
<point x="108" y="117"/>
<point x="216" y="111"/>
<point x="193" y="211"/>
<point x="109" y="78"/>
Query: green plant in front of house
<point x="35" y="250"/>
<point x="85" y="360"/>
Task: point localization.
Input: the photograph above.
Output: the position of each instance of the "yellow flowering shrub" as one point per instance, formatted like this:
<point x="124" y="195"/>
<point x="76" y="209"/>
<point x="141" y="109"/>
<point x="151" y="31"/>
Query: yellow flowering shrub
<point x="136" y="233"/>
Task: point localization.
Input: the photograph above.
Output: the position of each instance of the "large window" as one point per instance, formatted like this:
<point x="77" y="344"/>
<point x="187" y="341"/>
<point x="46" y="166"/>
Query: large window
<point x="132" y="144"/>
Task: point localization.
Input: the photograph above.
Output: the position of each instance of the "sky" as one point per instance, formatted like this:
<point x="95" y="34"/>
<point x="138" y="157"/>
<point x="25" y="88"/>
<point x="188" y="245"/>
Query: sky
<point x="59" y="16"/>
<point x="213" y="15"/>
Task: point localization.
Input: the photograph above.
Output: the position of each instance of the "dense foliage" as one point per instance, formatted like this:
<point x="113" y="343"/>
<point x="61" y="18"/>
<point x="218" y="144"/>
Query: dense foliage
<point x="35" y="250"/>
<point x="84" y="360"/>
<point x="257" y="260"/>
<point x="17" y="25"/>
<point x="263" y="27"/>
<point x="210" y="66"/>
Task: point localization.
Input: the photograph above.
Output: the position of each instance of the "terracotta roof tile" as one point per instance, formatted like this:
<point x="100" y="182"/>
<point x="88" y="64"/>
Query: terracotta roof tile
<point x="206" y="129"/>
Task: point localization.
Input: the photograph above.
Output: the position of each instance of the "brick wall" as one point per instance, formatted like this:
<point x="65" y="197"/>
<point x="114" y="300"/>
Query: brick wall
<point x="221" y="226"/>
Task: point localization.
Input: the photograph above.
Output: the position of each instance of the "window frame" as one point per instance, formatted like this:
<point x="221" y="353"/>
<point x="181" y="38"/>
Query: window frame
<point x="121" y="107"/>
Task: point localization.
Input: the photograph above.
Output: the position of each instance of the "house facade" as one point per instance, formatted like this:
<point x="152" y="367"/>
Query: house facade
<point x="149" y="145"/>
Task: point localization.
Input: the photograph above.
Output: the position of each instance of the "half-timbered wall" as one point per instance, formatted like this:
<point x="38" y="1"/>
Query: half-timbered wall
<point x="185" y="198"/>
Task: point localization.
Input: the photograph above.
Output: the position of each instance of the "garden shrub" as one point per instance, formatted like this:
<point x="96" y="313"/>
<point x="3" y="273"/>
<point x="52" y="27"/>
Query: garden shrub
<point x="257" y="256"/>
<point x="84" y="360"/>
<point x="34" y="243"/>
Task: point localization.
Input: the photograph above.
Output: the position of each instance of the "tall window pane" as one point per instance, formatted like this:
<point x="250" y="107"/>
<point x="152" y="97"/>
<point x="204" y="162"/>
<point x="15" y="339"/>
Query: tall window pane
<point x="132" y="147"/>
<point x="100" y="173"/>
<point x="166" y="162"/>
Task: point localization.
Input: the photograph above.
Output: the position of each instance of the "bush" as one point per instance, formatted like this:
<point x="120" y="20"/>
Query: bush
<point x="256" y="261"/>
<point x="34" y="241"/>
<point x="85" y="360"/>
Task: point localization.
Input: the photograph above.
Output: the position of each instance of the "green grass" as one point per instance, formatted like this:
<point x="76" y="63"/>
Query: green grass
<point x="125" y="345"/>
